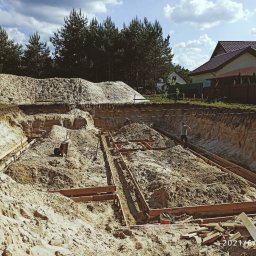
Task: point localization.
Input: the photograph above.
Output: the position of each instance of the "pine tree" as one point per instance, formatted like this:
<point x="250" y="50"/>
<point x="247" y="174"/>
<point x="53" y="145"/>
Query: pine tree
<point x="36" y="59"/>
<point x="71" y="47"/>
<point x="95" y="53"/>
<point x="147" y="54"/>
<point x="109" y="48"/>
<point x="10" y="54"/>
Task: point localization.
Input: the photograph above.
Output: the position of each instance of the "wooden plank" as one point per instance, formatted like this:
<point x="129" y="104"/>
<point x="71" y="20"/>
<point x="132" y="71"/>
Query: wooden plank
<point x="235" y="236"/>
<point x="209" y="225"/>
<point x="208" y="210"/>
<point x="122" y="211"/>
<point x="21" y="144"/>
<point x="249" y="225"/>
<point x="131" y="150"/>
<point x="198" y="239"/>
<point x="189" y="235"/>
<point x="211" y="238"/>
<point x="94" y="198"/>
<point x="85" y="191"/>
<point x="219" y="228"/>
<point x="140" y="195"/>
<point x="16" y="155"/>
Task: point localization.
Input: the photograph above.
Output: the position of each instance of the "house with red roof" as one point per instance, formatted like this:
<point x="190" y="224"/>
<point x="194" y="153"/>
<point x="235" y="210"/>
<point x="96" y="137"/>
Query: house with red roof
<point x="229" y="59"/>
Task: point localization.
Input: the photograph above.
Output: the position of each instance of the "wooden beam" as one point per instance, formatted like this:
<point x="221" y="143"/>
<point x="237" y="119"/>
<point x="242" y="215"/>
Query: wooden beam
<point x="124" y="142"/>
<point x="211" y="238"/>
<point x="85" y="191"/>
<point x="249" y="225"/>
<point x="94" y="198"/>
<point x="19" y="145"/>
<point x="139" y="193"/>
<point x="16" y="155"/>
<point x="208" y="210"/>
<point x="131" y="150"/>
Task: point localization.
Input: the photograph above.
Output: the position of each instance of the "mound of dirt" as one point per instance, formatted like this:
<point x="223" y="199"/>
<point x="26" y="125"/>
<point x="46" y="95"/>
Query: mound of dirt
<point x="14" y="89"/>
<point x="40" y="167"/>
<point x="138" y="131"/>
<point x="176" y="178"/>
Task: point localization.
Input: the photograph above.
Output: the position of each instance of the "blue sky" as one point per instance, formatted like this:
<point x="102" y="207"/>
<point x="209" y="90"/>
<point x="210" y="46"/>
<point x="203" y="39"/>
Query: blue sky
<point x="195" y="26"/>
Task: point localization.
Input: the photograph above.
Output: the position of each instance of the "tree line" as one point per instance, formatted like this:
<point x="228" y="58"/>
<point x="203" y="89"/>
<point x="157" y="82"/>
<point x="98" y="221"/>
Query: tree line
<point x="137" y="54"/>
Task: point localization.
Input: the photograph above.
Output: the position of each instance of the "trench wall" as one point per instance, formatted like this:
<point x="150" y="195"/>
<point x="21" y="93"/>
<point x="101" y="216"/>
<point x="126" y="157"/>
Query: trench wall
<point x="228" y="133"/>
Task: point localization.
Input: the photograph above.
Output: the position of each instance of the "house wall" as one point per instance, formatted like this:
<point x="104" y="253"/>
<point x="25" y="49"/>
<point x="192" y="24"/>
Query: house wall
<point x="200" y="78"/>
<point x="179" y="80"/>
<point x="243" y="61"/>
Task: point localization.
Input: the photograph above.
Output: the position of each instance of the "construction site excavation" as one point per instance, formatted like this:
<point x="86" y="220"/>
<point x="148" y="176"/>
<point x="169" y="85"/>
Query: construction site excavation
<point x="95" y="168"/>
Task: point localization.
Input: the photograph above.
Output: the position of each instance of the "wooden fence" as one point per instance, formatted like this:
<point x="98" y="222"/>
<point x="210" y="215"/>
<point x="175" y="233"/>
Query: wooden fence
<point x="240" y="93"/>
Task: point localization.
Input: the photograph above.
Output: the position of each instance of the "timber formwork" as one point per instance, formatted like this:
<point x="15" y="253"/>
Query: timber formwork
<point x="127" y="195"/>
<point x="200" y="211"/>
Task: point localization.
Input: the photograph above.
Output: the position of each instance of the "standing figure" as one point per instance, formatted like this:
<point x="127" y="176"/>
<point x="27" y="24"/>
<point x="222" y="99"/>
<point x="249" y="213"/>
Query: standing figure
<point x="184" y="133"/>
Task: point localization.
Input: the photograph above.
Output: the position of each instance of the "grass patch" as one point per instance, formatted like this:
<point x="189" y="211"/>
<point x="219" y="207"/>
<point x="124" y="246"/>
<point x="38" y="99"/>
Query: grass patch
<point x="161" y="99"/>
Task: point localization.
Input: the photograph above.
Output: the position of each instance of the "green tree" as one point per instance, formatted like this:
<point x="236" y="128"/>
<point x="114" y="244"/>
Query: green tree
<point x="95" y="53"/>
<point x="159" y="55"/>
<point x="147" y="54"/>
<point x="183" y="72"/>
<point x="10" y="54"/>
<point x="71" y="47"/>
<point x="133" y="56"/>
<point x="36" y="59"/>
<point x="109" y="48"/>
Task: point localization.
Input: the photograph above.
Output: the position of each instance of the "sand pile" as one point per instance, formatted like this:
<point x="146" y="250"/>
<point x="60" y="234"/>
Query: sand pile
<point x="26" y="90"/>
<point x="177" y="178"/>
<point x="40" y="167"/>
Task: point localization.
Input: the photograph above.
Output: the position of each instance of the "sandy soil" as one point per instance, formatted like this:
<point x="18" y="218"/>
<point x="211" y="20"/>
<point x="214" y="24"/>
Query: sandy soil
<point x="137" y="131"/>
<point x="34" y="223"/>
<point x="40" y="167"/>
<point x="177" y="178"/>
<point x="14" y="89"/>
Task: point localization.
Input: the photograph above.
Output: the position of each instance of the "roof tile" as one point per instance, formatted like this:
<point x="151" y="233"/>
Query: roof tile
<point x="219" y="60"/>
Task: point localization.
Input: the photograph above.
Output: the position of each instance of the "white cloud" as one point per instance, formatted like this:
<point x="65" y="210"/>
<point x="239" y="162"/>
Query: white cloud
<point x="16" y="35"/>
<point x="206" y="13"/>
<point x="253" y="31"/>
<point x="45" y="17"/>
<point x="193" y="53"/>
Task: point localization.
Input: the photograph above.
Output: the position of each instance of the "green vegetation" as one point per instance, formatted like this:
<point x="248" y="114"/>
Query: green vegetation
<point x="36" y="61"/>
<point x="10" y="54"/>
<point x="161" y="99"/>
<point x="138" y="53"/>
